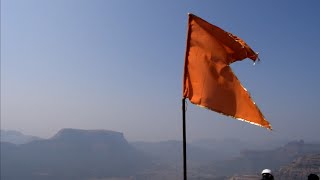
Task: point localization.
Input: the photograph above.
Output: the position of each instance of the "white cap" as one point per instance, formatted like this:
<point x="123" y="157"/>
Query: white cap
<point x="266" y="171"/>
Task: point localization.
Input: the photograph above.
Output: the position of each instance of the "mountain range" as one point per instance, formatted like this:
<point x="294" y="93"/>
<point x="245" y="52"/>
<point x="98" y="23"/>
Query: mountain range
<point x="104" y="154"/>
<point x="16" y="137"/>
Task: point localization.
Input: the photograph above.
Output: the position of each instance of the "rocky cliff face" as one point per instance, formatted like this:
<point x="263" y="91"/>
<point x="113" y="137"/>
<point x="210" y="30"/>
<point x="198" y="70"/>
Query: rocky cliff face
<point x="253" y="162"/>
<point x="300" y="168"/>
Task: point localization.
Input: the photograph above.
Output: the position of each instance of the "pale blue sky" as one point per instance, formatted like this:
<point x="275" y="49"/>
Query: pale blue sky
<point x="117" y="65"/>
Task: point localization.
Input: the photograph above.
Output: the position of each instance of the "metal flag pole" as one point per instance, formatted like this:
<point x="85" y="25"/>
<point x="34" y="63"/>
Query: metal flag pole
<point x="184" y="144"/>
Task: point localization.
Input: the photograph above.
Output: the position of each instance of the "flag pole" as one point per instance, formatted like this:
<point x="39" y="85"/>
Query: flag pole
<point x="184" y="144"/>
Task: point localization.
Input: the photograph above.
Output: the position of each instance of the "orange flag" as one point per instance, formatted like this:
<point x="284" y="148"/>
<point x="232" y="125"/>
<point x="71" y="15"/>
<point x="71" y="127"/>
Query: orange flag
<point x="208" y="79"/>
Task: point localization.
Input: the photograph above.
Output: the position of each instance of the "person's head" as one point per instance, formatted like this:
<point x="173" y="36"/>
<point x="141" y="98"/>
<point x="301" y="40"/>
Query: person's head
<point x="313" y="177"/>
<point x="266" y="174"/>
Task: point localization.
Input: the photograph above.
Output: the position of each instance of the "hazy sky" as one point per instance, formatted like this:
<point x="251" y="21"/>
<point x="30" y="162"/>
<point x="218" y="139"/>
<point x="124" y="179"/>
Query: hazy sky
<point x="117" y="65"/>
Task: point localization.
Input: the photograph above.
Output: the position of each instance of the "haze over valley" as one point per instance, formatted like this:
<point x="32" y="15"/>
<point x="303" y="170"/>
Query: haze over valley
<point x="104" y="154"/>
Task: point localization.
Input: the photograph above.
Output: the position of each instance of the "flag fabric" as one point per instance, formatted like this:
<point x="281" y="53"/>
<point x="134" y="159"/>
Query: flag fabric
<point x="208" y="79"/>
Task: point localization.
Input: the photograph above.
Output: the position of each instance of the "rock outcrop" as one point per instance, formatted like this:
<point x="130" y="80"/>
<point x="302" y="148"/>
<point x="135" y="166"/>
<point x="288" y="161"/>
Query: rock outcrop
<point x="300" y="168"/>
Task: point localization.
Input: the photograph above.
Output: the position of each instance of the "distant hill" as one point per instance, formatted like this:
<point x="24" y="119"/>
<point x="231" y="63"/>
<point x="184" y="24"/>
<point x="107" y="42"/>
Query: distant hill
<point x="16" y="137"/>
<point x="232" y="146"/>
<point x="201" y="151"/>
<point x="72" y="154"/>
<point x="171" y="152"/>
